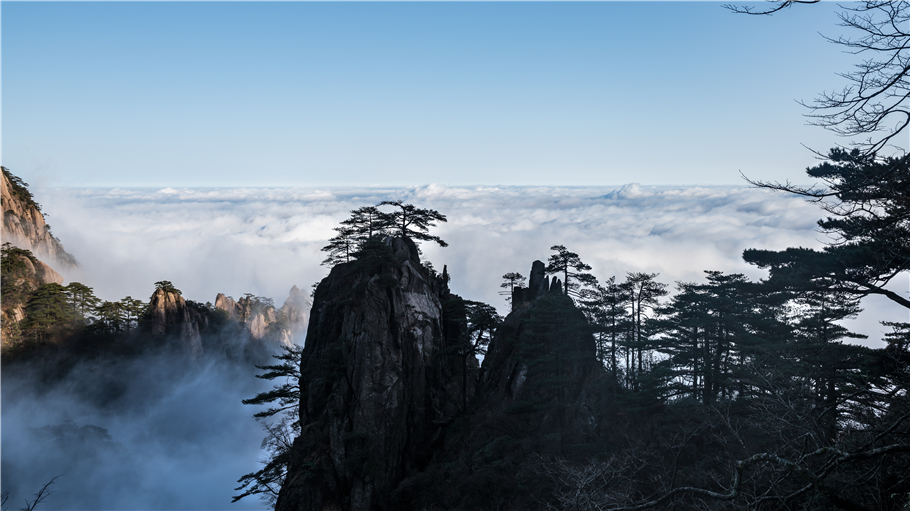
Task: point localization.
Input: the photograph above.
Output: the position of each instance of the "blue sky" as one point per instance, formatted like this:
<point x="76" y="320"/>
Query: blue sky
<point x="318" y="94"/>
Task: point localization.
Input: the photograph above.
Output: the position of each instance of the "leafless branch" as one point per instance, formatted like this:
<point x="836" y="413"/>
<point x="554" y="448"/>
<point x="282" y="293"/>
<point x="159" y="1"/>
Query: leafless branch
<point x="42" y="494"/>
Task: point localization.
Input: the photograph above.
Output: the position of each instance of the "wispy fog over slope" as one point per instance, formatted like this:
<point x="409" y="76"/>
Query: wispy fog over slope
<point x="157" y="432"/>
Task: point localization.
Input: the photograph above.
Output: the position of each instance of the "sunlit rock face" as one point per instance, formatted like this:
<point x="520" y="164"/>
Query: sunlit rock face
<point x="262" y="321"/>
<point x="228" y="305"/>
<point x="377" y="383"/>
<point x="169" y="316"/>
<point x="24" y="227"/>
<point x="34" y="273"/>
<point x="39" y="273"/>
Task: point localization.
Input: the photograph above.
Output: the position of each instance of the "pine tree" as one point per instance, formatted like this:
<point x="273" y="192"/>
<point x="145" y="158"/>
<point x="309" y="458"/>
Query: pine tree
<point x="644" y="293"/>
<point x="367" y="222"/>
<point x="13" y="273"/>
<point x="511" y="281"/>
<point x="605" y="305"/>
<point x="111" y="315"/>
<point x="47" y="311"/>
<point x="83" y="300"/>
<point x="167" y="287"/>
<point x="574" y="272"/>
<point x="342" y="246"/>
<point x="869" y="203"/>
<point x="409" y="221"/>
<point x="132" y="310"/>
<point x="483" y="320"/>
<point x="285" y="401"/>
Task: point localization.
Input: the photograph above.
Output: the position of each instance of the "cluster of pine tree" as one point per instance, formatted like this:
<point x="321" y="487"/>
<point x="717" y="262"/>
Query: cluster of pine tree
<point x="731" y="393"/>
<point x="54" y="312"/>
<point x="371" y="223"/>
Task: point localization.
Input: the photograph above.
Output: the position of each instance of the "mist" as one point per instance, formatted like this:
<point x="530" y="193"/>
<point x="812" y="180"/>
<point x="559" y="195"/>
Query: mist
<point x="164" y="432"/>
<point x="264" y="240"/>
<point x="156" y="432"/>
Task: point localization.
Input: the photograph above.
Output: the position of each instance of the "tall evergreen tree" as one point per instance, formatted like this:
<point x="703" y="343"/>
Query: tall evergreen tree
<point x="369" y="221"/>
<point x="511" y="280"/>
<point x="111" y="315"/>
<point x="83" y="300"/>
<point x="47" y="311"/>
<point x="606" y="305"/>
<point x="474" y="336"/>
<point x="644" y="292"/>
<point x="13" y="274"/>
<point x="342" y="246"/>
<point x="573" y="270"/>
<point x="132" y="310"/>
<point x="284" y="401"/>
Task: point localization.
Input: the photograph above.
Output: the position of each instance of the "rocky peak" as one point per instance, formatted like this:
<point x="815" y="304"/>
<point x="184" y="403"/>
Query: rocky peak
<point x="23" y="224"/>
<point x="228" y="305"/>
<point x="168" y="316"/>
<point x="538" y="285"/>
<point x="260" y="319"/>
<point x="543" y="358"/>
<point x="377" y="386"/>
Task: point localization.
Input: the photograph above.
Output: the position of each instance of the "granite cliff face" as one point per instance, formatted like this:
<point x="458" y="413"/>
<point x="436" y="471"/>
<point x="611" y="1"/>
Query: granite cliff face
<point x="377" y="386"/>
<point x="168" y="316"/>
<point x="28" y="274"/>
<point x="261" y="320"/>
<point x="382" y="423"/>
<point x="24" y="226"/>
<point x="542" y="362"/>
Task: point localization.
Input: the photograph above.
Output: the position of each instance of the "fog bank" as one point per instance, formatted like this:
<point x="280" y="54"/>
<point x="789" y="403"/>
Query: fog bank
<point x="160" y="432"/>
<point x="264" y="240"/>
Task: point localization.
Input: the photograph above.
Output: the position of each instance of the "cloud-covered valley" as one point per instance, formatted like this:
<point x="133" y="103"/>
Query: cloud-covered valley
<point x="173" y="435"/>
<point x="264" y="240"/>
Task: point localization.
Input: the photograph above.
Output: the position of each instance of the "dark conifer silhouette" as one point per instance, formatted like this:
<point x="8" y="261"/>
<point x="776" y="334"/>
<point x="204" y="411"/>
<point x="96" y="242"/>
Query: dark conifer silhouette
<point x="574" y="272"/>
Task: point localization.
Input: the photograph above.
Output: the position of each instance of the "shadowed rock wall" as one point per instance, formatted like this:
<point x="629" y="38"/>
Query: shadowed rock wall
<point x="377" y="383"/>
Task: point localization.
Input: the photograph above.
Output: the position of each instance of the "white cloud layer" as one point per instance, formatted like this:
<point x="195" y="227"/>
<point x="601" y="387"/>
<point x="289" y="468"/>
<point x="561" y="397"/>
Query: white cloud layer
<point x="264" y="240"/>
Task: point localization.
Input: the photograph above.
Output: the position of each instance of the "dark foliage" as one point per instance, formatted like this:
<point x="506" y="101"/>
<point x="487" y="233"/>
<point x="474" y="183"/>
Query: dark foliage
<point x="869" y="228"/>
<point x="284" y="401"/>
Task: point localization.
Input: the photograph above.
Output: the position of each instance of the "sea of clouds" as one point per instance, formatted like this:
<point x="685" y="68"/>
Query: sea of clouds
<point x="167" y="433"/>
<point x="264" y="240"/>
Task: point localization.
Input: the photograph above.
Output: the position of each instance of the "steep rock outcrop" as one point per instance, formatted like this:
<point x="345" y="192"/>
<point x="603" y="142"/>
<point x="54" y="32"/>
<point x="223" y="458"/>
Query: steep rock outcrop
<point x="228" y="305"/>
<point x="24" y="226"/>
<point x="377" y="383"/>
<point x="542" y="365"/>
<point x="260" y="319"/>
<point x="168" y="316"/>
<point x="25" y="273"/>
<point x="383" y="423"/>
<point x="39" y="273"/>
<point x="541" y="394"/>
<point x="542" y="362"/>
